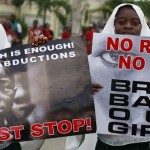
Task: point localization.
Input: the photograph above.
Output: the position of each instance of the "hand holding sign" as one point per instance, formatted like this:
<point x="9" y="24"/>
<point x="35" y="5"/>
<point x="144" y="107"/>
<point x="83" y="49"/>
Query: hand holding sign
<point x="96" y="87"/>
<point x="36" y="40"/>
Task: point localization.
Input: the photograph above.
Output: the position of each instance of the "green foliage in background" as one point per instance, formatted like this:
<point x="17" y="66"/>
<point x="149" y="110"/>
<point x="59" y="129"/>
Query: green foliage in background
<point x="107" y="8"/>
<point x="145" y="4"/>
<point x="61" y="8"/>
<point x="17" y="3"/>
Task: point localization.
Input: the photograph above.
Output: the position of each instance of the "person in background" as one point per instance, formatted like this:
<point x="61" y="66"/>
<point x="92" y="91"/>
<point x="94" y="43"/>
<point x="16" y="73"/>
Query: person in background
<point x="47" y="31"/>
<point x="36" y="29"/>
<point x="89" y="38"/>
<point x="17" y="29"/>
<point x="66" y="32"/>
<point x="11" y="35"/>
<point x="51" y="31"/>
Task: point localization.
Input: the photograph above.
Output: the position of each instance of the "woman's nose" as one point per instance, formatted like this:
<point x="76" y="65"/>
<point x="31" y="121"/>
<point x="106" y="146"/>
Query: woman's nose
<point x="128" y="25"/>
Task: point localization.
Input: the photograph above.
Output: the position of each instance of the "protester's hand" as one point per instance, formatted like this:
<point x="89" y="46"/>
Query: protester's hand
<point x="96" y="87"/>
<point x="36" y="40"/>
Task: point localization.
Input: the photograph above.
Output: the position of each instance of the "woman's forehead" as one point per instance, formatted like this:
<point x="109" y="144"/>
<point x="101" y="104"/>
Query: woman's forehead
<point x="126" y="11"/>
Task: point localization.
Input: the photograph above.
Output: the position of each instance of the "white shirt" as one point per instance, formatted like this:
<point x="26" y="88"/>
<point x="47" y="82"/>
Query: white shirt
<point x="3" y="39"/>
<point x="3" y="44"/>
<point x="19" y="28"/>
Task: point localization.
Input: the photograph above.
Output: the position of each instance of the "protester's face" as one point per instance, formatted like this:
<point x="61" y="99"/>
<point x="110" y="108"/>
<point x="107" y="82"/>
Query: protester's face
<point x="7" y="91"/>
<point x="35" y="23"/>
<point x="12" y="18"/>
<point x="127" y="22"/>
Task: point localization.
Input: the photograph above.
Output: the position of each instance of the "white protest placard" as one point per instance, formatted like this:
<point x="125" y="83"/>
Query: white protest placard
<point x="121" y="63"/>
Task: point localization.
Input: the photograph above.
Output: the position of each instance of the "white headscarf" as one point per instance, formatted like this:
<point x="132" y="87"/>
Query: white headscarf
<point x="109" y="27"/>
<point x="3" y="39"/>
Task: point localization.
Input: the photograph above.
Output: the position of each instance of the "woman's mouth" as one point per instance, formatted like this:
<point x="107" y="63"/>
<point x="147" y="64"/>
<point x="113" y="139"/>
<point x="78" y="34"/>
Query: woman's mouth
<point x="128" y="33"/>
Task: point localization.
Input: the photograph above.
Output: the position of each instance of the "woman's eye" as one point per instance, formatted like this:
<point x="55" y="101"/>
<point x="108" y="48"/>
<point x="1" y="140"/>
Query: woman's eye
<point x="135" y="23"/>
<point x="112" y="58"/>
<point x="121" y="22"/>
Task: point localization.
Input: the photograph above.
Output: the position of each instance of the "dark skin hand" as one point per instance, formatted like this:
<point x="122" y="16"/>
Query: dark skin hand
<point x="96" y="87"/>
<point x="36" y="40"/>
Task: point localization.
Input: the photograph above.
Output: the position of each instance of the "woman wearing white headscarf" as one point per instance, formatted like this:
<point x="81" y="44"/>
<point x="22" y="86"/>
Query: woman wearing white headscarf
<point x="131" y="21"/>
<point x="110" y="28"/>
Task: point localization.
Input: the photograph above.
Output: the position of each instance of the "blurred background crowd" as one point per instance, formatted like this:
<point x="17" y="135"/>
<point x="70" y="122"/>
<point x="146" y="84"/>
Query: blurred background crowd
<point x="58" y="19"/>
